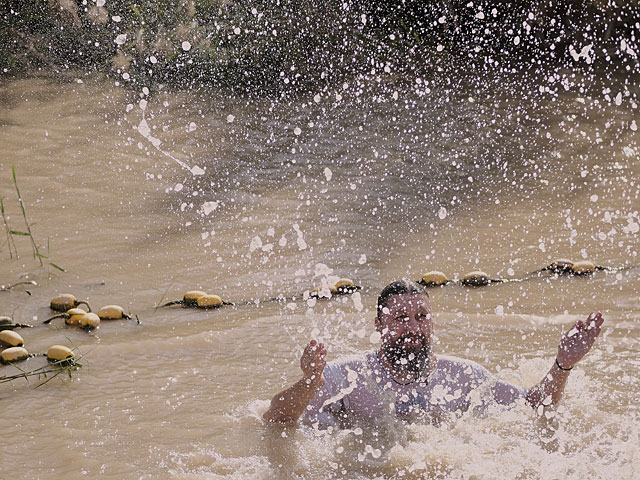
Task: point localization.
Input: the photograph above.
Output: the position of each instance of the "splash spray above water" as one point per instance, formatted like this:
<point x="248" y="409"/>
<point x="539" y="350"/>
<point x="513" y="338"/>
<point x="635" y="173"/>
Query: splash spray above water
<point x="144" y="130"/>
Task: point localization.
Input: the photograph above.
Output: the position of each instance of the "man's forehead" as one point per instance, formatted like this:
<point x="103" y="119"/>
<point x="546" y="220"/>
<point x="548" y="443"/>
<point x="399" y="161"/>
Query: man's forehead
<point x="407" y="300"/>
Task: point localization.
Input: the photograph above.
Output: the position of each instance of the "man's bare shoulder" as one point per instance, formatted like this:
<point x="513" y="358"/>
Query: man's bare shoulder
<point x="460" y="367"/>
<point x="350" y="360"/>
<point x="341" y="366"/>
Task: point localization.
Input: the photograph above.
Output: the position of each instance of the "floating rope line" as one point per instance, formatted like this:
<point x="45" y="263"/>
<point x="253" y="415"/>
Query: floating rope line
<point x="344" y="286"/>
<point x="61" y="359"/>
<point x="89" y="320"/>
<point x="7" y="323"/>
<point x="558" y="268"/>
<point x="477" y="278"/>
<point x="17" y="353"/>
<point x="73" y="315"/>
<point x="199" y="299"/>
<point x="6" y="288"/>
<point x="567" y="267"/>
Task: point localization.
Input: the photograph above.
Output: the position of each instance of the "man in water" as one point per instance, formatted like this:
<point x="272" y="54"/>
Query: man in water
<point x="405" y="378"/>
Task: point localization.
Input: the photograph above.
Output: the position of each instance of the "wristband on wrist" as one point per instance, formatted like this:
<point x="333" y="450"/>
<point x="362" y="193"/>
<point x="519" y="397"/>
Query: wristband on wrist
<point x="561" y="367"/>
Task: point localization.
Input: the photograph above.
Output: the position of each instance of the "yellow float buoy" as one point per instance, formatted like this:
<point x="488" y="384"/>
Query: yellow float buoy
<point x="13" y="354"/>
<point x="191" y="297"/>
<point x="433" y="279"/>
<point x="89" y="321"/>
<point x="341" y="287"/>
<point x="65" y="302"/>
<point x="209" y="301"/>
<point x="60" y="354"/>
<point x="71" y="316"/>
<point x="559" y="266"/>
<point x="112" y="312"/>
<point x="477" y="278"/>
<point x="345" y="286"/>
<point x="583" y="268"/>
<point x="9" y="338"/>
<point x="345" y="282"/>
<point x="74" y="316"/>
<point x="315" y="293"/>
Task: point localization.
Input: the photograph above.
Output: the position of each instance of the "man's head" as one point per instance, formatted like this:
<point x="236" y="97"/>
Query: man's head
<point x="405" y="325"/>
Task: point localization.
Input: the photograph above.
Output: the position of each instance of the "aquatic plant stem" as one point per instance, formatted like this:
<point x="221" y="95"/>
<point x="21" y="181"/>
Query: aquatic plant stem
<point x="36" y="253"/>
<point x="10" y="241"/>
<point x="56" y="368"/>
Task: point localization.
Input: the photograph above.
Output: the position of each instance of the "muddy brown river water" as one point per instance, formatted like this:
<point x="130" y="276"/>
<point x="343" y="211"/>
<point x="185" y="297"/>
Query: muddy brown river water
<point x="143" y="197"/>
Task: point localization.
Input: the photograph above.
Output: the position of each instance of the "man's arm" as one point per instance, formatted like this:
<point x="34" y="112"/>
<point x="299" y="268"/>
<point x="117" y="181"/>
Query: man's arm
<point x="574" y="345"/>
<point x="288" y="405"/>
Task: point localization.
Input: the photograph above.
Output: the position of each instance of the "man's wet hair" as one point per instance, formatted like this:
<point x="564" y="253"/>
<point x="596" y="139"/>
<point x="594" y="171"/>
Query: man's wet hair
<point x="398" y="287"/>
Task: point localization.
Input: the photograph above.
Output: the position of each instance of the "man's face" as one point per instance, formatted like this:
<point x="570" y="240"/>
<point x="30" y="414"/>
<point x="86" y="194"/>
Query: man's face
<point x="406" y="328"/>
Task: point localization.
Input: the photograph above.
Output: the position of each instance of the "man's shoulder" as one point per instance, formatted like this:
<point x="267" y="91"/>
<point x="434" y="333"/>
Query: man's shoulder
<point x="457" y="365"/>
<point x="353" y="360"/>
<point x="350" y="366"/>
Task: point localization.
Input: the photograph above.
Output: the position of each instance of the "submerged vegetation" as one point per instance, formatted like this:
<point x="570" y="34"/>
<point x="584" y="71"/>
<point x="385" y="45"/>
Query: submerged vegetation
<point x="44" y="373"/>
<point x="285" y="45"/>
<point x="10" y="233"/>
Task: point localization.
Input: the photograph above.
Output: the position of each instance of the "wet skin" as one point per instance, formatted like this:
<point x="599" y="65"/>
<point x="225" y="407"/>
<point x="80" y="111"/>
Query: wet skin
<point x="406" y="323"/>
<point x="406" y="326"/>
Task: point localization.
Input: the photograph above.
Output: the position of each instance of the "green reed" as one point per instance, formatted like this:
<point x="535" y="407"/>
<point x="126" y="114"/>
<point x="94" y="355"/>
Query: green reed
<point x="10" y="242"/>
<point x="28" y="233"/>
<point x="55" y="368"/>
<point x="34" y="246"/>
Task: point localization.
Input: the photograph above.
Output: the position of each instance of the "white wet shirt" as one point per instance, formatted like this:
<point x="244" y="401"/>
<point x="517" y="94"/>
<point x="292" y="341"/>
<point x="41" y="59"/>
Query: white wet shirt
<point x="360" y="388"/>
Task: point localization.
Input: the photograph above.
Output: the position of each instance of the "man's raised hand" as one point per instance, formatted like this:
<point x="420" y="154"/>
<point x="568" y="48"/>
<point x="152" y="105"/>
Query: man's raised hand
<point x="288" y="405"/>
<point x="577" y="342"/>
<point x="312" y="363"/>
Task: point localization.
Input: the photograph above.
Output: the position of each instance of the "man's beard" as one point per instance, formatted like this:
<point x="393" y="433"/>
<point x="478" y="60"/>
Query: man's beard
<point x="406" y="359"/>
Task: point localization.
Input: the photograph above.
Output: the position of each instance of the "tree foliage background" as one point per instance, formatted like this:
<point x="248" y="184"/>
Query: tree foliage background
<point x="287" y="45"/>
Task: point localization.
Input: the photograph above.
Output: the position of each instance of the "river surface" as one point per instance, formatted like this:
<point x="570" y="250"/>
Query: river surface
<point x="141" y="197"/>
